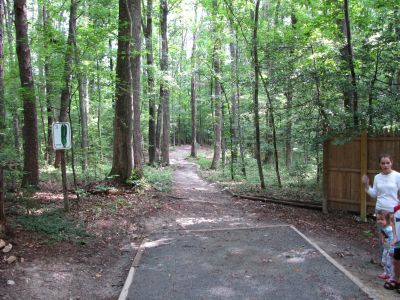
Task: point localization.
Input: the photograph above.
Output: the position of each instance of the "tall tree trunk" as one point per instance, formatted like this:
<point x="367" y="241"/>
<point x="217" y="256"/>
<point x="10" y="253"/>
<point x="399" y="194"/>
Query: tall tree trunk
<point x="271" y="119"/>
<point x="99" y="106"/>
<point x="351" y="64"/>
<point x="217" y="93"/>
<point x="83" y="93"/>
<point x="148" y="34"/>
<point x="49" y="89"/>
<point x="223" y="141"/>
<point x="193" y="105"/>
<point x="42" y="86"/>
<point x="123" y="121"/>
<point x="123" y="150"/>
<point x="241" y="146"/>
<point x="289" y="98"/>
<point x="159" y="129"/>
<point x="135" y="71"/>
<point x="164" y="89"/>
<point x="8" y="14"/>
<point x="371" y="93"/>
<point x="234" y="105"/>
<point x="66" y="92"/>
<point x="42" y="95"/>
<point x="255" y="96"/>
<point x="83" y="90"/>
<point x="30" y="130"/>
<point x="350" y="94"/>
<point x="2" y="123"/>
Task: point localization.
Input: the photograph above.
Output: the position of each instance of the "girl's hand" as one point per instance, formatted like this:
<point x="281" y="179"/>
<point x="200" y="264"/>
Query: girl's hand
<point x="365" y="180"/>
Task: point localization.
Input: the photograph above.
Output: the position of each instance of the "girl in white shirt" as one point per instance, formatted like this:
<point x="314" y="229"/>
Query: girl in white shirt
<point x="385" y="189"/>
<point x="386" y="186"/>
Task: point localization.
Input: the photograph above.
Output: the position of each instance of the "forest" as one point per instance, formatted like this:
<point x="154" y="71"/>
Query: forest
<point x="262" y="83"/>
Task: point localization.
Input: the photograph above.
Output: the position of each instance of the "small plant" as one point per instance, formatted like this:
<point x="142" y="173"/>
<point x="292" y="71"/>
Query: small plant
<point x="119" y="203"/>
<point x="159" y="178"/>
<point x="56" y="226"/>
<point x="203" y="162"/>
<point x="26" y="199"/>
<point x="137" y="183"/>
<point x="100" y="188"/>
<point x="81" y="193"/>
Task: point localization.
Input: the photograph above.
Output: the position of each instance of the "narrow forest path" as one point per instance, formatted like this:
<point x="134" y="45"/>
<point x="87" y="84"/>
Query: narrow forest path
<point x="195" y="203"/>
<point x="205" y="244"/>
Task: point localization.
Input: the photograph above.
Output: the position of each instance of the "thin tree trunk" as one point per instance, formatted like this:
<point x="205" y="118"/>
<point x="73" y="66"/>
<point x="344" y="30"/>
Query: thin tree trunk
<point x="41" y="95"/>
<point x="193" y="105"/>
<point x="2" y="123"/>
<point x="159" y="130"/>
<point x="324" y="127"/>
<point x="351" y="64"/>
<point x="289" y="99"/>
<point x="223" y="142"/>
<point x="164" y="90"/>
<point x="350" y="97"/>
<point x="30" y="130"/>
<point x="148" y="33"/>
<point x="99" y="108"/>
<point x="371" y="95"/>
<point x="255" y="96"/>
<point x="237" y="89"/>
<point x="8" y="14"/>
<point x="83" y="94"/>
<point x="135" y="71"/>
<point x="234" y="105"/>
<point x="49" y="91"/>
<point x="123" y="127"/>
<point x="272" y="120"/>
<point x="42" y="86"/>
<point x="217" y="94"/>
<point x="66" y="92"/>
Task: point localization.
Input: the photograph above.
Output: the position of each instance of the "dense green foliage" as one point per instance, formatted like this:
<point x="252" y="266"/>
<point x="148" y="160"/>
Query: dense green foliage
<point x="300" y="55"/>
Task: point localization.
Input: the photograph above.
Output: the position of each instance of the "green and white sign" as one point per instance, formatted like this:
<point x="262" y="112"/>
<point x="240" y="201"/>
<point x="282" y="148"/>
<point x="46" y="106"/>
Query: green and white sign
<point x="61" y="135"/>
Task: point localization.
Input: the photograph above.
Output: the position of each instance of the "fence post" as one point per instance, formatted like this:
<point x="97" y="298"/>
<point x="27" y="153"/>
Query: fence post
<point x="363" y="170"/>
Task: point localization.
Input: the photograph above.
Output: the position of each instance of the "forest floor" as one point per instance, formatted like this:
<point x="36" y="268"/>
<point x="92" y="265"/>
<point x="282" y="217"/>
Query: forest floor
<point x="118" y="222"/>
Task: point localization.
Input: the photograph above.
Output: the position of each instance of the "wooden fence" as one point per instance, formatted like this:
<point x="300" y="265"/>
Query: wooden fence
<point x="345" y="164"/>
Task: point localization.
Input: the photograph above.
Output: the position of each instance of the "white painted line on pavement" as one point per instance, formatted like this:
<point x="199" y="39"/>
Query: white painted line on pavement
<point x="234" y="228"/>
<point x="357" y="281"/>
<point x="128" y="282"/>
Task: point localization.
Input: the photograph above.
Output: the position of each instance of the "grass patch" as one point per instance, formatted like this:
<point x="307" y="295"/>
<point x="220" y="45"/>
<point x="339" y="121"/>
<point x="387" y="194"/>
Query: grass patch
<point x="297" y="183"/>
<point x="203" y="162"/>
<point x="56" y="226"/>
<point x="160" y="178"/>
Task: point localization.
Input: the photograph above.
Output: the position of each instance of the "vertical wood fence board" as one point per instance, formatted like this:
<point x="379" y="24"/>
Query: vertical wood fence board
<point x="363" y="170"/>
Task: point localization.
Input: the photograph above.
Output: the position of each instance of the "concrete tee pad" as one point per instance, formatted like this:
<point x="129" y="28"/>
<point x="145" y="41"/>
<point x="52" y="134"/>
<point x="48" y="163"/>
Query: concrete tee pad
<point x="257" y="263"/>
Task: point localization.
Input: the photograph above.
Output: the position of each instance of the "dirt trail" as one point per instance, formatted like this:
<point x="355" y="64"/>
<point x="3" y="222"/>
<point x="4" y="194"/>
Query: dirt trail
<point x="195" y="203"/>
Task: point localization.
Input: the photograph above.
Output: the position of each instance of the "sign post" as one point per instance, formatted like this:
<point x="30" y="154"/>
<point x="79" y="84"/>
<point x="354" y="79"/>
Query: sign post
<point x="62" y="142"/>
